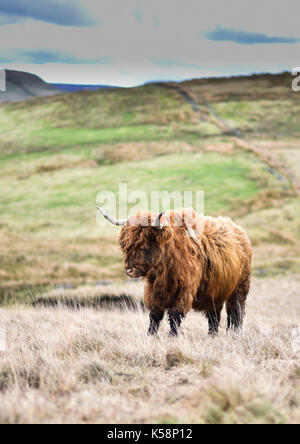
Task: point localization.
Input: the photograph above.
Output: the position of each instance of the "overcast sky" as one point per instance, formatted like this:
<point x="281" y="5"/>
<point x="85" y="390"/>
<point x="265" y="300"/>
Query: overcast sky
<point x="129" y="42"/>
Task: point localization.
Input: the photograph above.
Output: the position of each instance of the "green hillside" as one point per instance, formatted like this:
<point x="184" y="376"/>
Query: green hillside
<point x="235" y="139"/>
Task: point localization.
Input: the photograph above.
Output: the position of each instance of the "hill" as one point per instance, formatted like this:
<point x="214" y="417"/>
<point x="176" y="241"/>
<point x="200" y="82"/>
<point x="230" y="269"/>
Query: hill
<point x="66" y="87"/>
<point x="22" y="85"/>
<point x="236" y="139"/>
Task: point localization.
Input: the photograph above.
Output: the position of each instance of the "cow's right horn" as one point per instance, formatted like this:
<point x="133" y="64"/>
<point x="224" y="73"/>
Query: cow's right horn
<point x="111" y="219"/>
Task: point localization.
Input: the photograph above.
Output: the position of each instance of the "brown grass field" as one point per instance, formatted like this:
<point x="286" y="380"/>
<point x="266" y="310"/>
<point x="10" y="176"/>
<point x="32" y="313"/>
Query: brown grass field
<point x="99" y="366"/>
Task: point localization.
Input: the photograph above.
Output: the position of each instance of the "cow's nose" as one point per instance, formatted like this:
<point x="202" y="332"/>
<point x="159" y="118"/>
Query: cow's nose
<point x="129" y="271"/>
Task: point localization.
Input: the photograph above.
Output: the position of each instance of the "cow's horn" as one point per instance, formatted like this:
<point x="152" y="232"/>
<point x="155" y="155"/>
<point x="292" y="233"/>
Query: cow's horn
<point x="111" y="219"/>
<point x="157" y="220"/>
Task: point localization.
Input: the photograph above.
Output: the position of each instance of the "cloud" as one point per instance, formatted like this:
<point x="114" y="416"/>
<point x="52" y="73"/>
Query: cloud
<point x="7" y="19"/>
<point x="59" y="12"/>
<point x="138" y="15"/>
<point x="40" y="57"/>
<point x="246" y="38"/>
<point x="162" y="46"/>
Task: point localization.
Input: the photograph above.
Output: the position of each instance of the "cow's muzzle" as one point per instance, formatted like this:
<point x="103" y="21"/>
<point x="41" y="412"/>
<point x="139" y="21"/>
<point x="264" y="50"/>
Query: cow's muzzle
<point x="133" y="272"/>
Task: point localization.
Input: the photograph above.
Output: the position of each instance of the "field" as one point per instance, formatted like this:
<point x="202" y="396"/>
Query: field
<point x="99" y="366"/>
<point x="73" y="353"/>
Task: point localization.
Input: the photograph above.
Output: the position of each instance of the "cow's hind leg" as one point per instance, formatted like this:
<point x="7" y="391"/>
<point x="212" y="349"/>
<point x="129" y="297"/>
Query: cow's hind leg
<point x="214" y="318"/>
<point x="235" y="306"/>
<point x="156" y="316"/>
<point x="175" y="318"/>
<point x="235" y="313"/>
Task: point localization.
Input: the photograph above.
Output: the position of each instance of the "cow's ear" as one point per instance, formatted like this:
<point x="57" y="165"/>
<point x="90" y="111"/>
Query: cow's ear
<point x="165" y="234"/>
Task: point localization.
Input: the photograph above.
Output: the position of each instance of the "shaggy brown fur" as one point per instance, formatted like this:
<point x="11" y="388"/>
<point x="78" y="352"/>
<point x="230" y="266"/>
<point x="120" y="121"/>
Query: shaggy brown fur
<point x="202" y="270"/>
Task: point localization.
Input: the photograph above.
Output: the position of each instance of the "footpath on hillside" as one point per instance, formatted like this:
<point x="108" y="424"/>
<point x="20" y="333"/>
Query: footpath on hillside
<point x="207" y="113"/>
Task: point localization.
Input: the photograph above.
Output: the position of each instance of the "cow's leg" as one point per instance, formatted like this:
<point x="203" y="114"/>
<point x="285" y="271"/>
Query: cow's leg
<point x="214" y="318"/>
<point x="175" y="318"/>
<point x="235" y="306"/>
<point x="156" y="316"/>
<point x="235" y="314"/>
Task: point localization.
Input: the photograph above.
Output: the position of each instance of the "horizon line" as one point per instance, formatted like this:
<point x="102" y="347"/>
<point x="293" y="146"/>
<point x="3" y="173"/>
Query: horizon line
<point x="184" y="79"/>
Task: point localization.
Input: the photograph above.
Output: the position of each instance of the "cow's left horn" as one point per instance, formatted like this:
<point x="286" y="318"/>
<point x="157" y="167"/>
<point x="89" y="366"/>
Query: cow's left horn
<point x="157" y="220"/>
<point x="111" y="219"/>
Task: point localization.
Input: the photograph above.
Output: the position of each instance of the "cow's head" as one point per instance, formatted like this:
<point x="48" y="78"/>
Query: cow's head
<point x="141" y="240"/>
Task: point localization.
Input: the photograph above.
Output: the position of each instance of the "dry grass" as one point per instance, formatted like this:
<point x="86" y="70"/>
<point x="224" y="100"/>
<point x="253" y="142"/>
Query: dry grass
<point x="256" y="87"/>
<point x="126" y="152"/>
<point x="90" y="366"/>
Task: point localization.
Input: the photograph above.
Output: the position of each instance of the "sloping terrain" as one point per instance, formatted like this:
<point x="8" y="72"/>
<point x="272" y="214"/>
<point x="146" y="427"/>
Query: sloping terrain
<point x="235" y="139"/>
<point x="22" y="86"/>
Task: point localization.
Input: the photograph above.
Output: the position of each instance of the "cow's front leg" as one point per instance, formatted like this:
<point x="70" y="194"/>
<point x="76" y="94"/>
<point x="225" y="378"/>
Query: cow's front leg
<point x="175" y="318"/>
<point x="156" y="316"/>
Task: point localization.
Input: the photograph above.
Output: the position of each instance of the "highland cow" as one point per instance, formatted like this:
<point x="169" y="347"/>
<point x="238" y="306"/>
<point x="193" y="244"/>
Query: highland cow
<point x="188" y="261"/>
